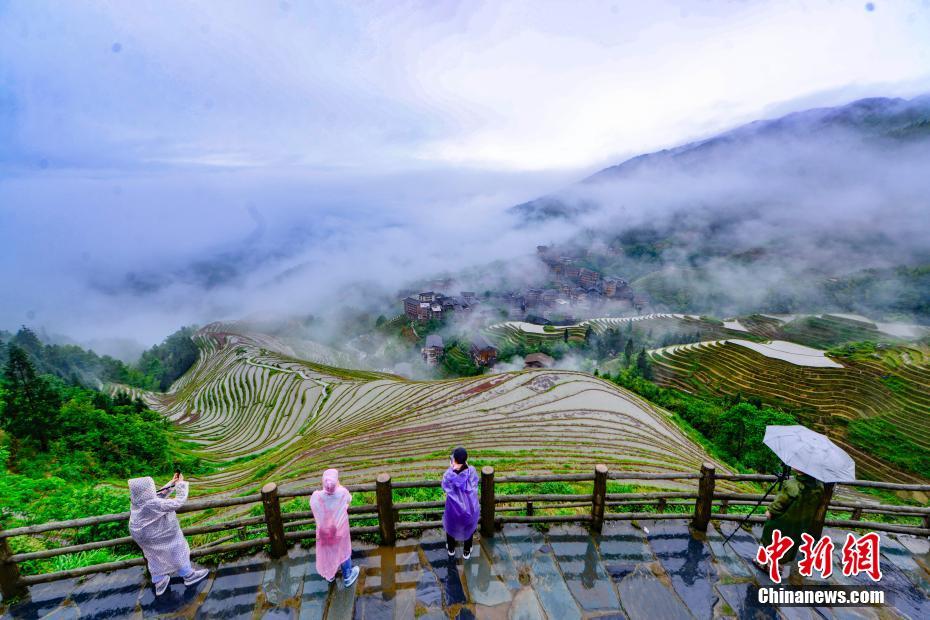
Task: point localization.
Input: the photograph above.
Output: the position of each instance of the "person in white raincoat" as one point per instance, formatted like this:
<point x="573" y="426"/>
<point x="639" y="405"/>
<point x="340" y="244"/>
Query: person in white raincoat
<point x="154" y="526"/>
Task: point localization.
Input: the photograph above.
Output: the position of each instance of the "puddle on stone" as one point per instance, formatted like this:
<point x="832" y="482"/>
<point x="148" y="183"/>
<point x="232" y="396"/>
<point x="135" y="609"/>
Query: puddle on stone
<point x="644" y="597"/>
<point x="110" y="595"/>
<point x="283" y="578"/>
<point x="445" y="568"/>
<point x="687" y="562"/>
<point x="502" y="566"/>
<point x="234" y="591"/>
<point x="578" y="558"/>
<point x="484" y="587"/>
<point x="315" y="592"/>
<point x="43" y="599"/>
<point x="280" y="613"/>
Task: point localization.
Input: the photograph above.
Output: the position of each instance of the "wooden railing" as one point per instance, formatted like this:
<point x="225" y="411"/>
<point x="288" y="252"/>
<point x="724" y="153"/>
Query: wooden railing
<point x="275" y="524"/>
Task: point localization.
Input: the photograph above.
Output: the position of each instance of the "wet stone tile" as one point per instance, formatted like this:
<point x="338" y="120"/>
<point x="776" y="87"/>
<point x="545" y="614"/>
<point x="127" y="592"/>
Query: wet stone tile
<point x="907" y="598"/>
<point x="578" y="558"/>
<point x="743" y="599"/>
<point x="502" y="566"/>
<point x="522" y="543"/>
<point x="526" y="605"/>
<point x="464" y="613"/>
<point x="373" y="607"/>
<point x="178" y="599"/>
<point x="428" y="590"/>
<point x="314" y="594"/>
<point x="43" y="599"/>
<point x="726" y="556"/>
<point x="644" y="597"/>
<point x="110" y="595"/>
<point x="894" y="552"/>
<point x="445" y="568"/>
<point x="686" y="560"/>
<point x="65" y="612"/>
<point x="280" y="613"/>
<point x="341" y="601"/>
<point x="235" y="590"/>
<point x="554" y="595"/>
<point x="405" y="604"/>
<point x="483" y="586"/>
<point x="623" y="547"/>
<point x="283" y="578"/>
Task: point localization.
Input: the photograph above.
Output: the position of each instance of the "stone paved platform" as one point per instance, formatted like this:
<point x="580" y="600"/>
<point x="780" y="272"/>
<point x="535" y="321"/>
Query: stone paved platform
<point x="652" y="571"/>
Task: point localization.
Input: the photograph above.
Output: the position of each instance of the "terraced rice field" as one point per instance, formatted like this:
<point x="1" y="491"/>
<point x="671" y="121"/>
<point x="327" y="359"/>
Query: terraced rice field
<point x="828" y="330"/>
<point x="891" y="385"/>
<point x="262" y="414"/>
<point x="519" y="332"/>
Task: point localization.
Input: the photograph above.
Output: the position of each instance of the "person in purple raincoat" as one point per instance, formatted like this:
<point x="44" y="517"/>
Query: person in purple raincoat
<point x="460" y="518"/>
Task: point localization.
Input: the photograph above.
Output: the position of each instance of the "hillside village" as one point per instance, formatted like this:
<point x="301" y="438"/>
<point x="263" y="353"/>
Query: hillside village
<point x="573" y="292"/>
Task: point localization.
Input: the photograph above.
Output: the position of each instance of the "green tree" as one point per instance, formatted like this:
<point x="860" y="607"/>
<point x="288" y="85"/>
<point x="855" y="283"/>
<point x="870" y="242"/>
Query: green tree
<point x="740" y="430"/>
<point x="31" y="404"/>
<point x="643" y="365"/>
<point x="628" y="351"/>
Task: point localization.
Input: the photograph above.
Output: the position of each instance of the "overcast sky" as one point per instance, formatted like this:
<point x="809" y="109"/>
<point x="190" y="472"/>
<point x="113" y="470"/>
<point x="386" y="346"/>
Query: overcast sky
<point x="306" y="142"/>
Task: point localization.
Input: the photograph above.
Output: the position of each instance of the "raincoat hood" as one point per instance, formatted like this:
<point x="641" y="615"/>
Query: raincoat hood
<point x="330" y="481"/>
<point x="141" y="491"/>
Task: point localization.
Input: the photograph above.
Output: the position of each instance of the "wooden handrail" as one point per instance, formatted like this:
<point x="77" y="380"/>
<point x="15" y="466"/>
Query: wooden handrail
<point x="387" y="513"/>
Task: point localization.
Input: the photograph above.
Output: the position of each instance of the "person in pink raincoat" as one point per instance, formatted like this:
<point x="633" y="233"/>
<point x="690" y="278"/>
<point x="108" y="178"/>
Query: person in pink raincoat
<point x="330" y="508"/>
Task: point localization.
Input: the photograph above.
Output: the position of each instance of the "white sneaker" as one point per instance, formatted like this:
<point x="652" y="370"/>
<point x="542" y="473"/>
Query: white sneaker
<point x="196" y="576"/>
<point x="451" y="552"/>
<point x="162" y="585"/>
<point x="348" y="581"/>
<point x="466" y="555"/>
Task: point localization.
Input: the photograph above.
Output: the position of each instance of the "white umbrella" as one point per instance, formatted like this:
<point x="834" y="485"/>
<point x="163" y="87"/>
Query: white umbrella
<point x="810" y="452"/>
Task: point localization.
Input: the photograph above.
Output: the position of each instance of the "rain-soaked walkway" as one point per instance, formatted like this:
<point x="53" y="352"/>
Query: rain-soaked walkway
<point x="650" y="572"/>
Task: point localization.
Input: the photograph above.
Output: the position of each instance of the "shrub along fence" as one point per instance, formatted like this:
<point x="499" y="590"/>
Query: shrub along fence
<point x="280" y="528"/>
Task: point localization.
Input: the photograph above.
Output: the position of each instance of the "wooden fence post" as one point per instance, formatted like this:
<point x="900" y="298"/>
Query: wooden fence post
<point x="599" y="499"/>
<point x="702" y="507"/>
<point x="273" y="519"/>
<point x="10" y="585"/>
<point x="820" y="515"/>
<point x="661" y="505"/>
<point x="487" y="501"/>
<point x="856" y="513"/>
<point x="529" y="509"/>
<point x="724" y="506"/>
<point x="385" y="499"/>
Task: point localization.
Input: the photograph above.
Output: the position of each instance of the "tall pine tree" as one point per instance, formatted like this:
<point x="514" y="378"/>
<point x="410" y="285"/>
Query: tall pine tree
<point x="32" y="405"/>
